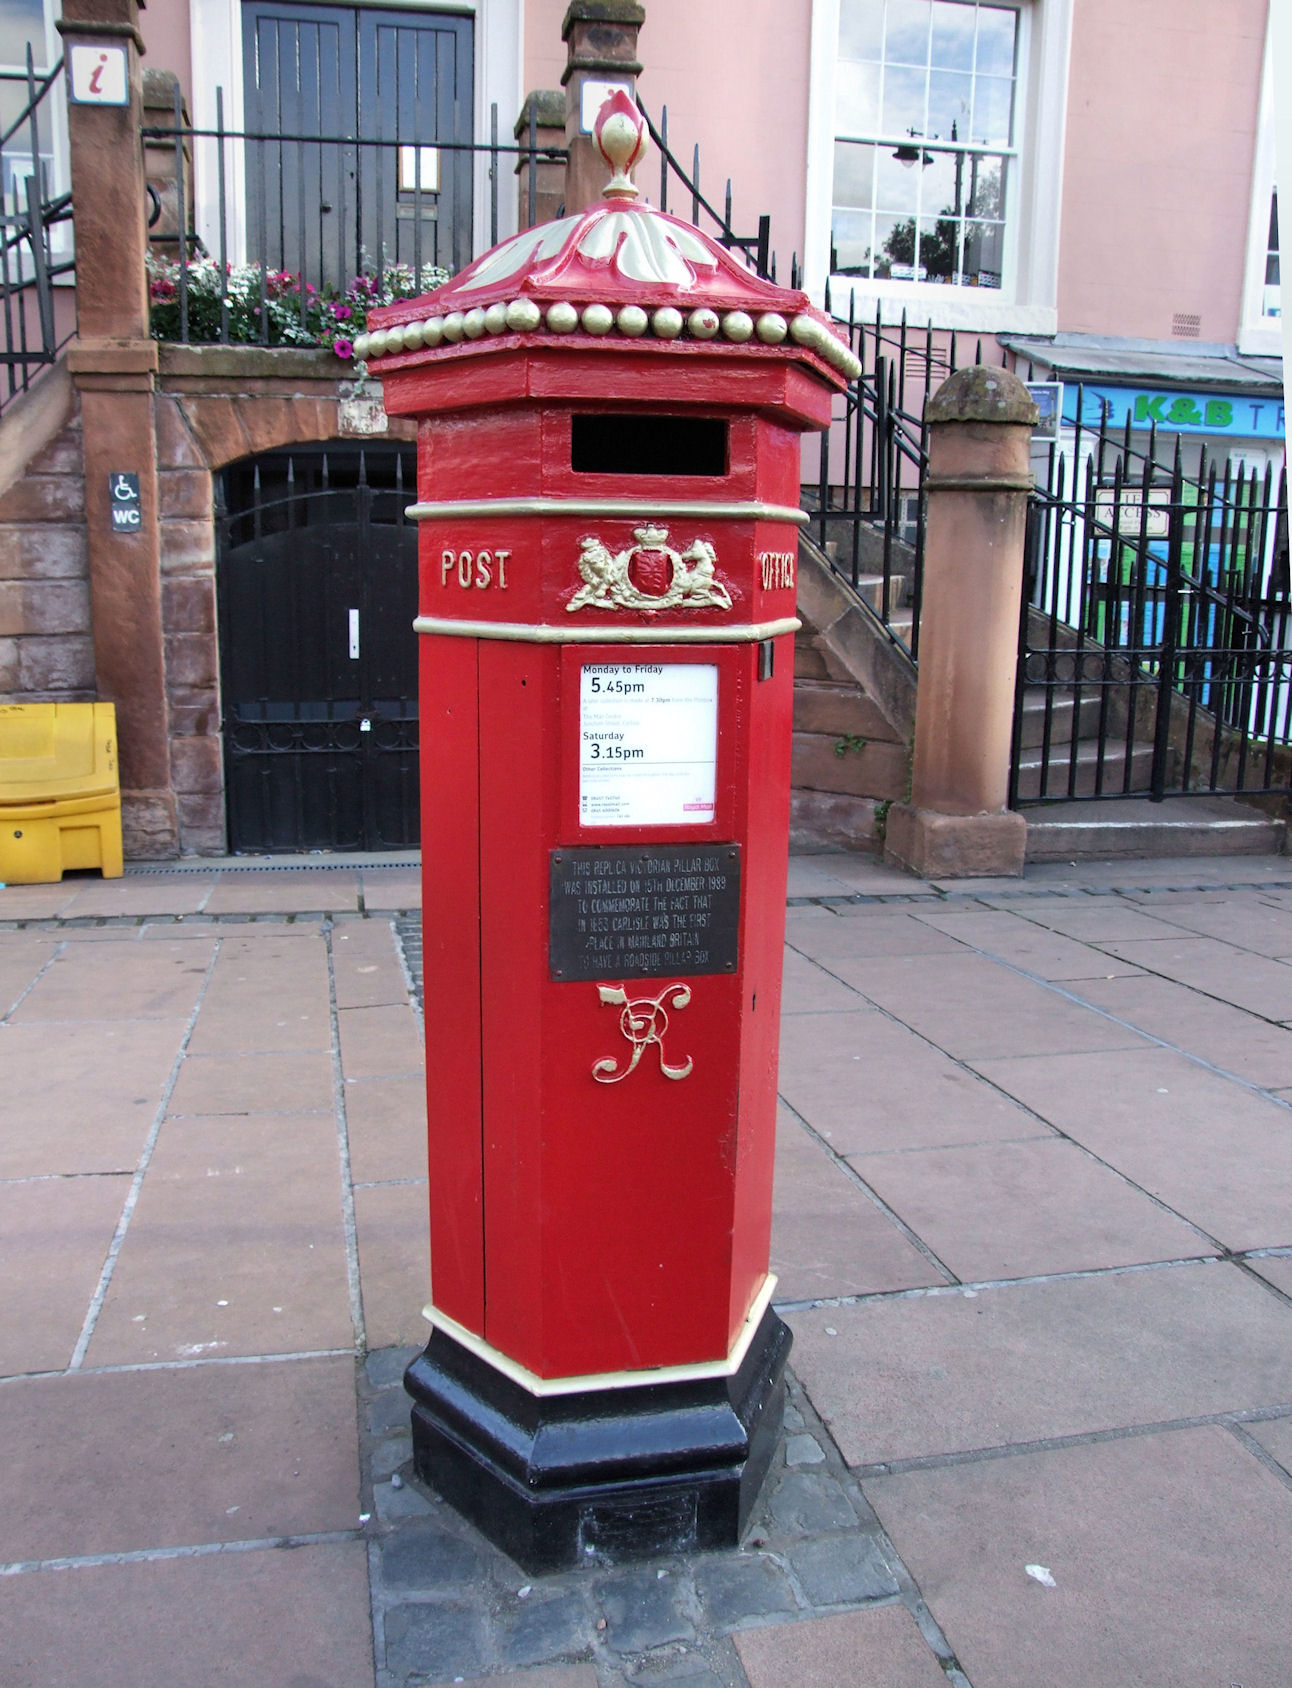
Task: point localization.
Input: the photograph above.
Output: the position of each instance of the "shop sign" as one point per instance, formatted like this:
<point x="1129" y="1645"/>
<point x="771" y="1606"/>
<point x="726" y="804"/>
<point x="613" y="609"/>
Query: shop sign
<point x="1241" y="415"/>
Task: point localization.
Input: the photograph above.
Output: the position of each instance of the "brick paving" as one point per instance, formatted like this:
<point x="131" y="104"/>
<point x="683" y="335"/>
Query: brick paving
<point x="1033" y="1235"/>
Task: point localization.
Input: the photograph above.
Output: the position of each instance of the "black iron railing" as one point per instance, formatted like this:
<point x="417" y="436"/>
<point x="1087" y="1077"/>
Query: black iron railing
<point x="869" y="501"/>
<point x="35" y="245"/>
<point x="756" y="248"/>
<point x="1155" y="646"/>
<point x="300" y="218"/>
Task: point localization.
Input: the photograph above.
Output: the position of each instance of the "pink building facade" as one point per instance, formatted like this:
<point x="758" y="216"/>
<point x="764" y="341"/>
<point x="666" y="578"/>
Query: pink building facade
<point x="1086" y="189"/>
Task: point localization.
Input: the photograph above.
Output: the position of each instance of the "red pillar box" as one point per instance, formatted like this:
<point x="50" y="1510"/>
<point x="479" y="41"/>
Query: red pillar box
<point x="608" y="466"/>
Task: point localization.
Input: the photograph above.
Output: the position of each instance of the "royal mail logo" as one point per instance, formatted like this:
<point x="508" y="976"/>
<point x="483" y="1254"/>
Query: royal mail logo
<point x="650" y="575"/>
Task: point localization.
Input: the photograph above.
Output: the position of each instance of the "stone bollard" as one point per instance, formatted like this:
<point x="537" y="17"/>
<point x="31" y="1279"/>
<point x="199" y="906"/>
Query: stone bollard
<point x="601" y="47"/>
<point x="956" y="824"/>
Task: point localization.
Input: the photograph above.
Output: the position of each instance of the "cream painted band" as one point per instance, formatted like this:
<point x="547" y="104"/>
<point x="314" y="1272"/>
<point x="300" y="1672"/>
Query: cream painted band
<point x="606" y="1380"/>
<point x="625" y="508"/>
<point x="532" y="633"/>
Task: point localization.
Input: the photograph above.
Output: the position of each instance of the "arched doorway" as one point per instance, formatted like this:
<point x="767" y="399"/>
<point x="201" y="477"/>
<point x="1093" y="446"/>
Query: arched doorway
<point x="317" y="583"/>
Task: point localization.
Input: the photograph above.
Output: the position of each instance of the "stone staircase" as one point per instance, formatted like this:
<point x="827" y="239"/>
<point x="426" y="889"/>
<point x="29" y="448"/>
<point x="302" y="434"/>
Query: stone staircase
<point x="854" y="714"/>
<point x="854" y="721"/>
<point x="1085" y="828"/>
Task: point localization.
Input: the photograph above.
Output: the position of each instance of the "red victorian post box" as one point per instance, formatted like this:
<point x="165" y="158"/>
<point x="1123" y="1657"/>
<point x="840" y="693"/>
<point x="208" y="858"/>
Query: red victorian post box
<point x="610" y="409"/>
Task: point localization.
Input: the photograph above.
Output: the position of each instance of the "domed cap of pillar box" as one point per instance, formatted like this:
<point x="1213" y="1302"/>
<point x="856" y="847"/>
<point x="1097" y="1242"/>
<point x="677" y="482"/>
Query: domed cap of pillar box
<point x="982" y="394"/>
<point x="618" y="274"/>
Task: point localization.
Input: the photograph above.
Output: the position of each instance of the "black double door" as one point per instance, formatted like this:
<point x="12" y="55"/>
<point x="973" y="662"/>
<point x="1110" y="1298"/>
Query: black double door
<point x="317" y="571"/>
<point x="360" y="107"/>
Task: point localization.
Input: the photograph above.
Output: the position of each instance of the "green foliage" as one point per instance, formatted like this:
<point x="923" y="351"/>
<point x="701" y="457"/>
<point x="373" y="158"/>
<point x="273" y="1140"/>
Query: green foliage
<point x="850" y="741"/>
<point x="274" y="311"/>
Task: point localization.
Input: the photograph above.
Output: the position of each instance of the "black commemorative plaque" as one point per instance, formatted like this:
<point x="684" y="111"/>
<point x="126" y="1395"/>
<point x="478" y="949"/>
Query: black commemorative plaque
<point x="642" y="911"/>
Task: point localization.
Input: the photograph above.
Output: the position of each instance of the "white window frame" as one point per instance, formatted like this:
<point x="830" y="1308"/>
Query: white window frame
<point x="53" y="121"/>
<point x="217" y="62"/>
<point x="1027" y="300"/>
<point x="1259" y="335"/>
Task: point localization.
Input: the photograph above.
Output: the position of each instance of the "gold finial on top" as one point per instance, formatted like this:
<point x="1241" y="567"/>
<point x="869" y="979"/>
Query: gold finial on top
<point x="620" y="134"/>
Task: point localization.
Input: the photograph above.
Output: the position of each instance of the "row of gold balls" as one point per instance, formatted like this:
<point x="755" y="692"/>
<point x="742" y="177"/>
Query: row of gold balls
<point x="523" y="316"/>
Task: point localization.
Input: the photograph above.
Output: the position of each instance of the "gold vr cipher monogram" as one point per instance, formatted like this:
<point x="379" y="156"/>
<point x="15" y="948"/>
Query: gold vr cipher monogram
<point x="777" y="568"/>
<point x="479" y="569"/>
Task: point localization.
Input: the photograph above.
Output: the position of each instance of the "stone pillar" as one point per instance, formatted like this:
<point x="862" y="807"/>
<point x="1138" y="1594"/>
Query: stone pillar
<point x="546" y="106"/>
<point x="956" y="824"/>
<point x="160" y="164"/>
<point x="113" y="363"/>
<point x="601" y="41"/>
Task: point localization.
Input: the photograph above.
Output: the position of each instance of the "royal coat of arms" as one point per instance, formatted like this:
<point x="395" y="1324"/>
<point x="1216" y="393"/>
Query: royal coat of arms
<point x="650" y="575"/>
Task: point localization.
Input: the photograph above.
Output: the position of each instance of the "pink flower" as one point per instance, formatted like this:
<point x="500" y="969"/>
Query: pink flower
<point x="341" y="312"/>
<point x="343" y="348"/>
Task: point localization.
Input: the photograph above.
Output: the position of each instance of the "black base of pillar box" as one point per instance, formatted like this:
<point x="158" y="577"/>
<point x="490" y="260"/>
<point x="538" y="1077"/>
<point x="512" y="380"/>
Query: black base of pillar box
<point x="602" y="1475"/>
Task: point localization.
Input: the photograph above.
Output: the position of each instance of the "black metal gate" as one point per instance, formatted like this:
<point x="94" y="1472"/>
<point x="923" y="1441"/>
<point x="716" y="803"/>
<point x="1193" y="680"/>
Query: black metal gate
<point x="1155" y="651"/>
<point x="399" y="85"/>
<point x="317" y="570"/>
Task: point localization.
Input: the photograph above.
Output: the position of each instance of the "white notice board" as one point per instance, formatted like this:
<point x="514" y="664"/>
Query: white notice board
<point x="648" y="743"/>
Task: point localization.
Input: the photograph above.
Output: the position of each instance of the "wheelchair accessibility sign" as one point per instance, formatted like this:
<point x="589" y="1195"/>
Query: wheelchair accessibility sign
<point x="123" y="498"/>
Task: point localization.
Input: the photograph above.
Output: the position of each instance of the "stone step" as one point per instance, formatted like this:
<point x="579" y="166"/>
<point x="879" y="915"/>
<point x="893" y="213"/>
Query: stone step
<point x="1087" y="770"/>
<point x="837" y="707"/>
<point x="1033" y="723"/>
<point x="1137" y="828"/>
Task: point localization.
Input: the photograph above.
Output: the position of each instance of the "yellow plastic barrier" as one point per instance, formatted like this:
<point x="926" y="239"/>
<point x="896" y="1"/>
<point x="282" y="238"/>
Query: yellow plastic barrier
<point x="60" y="793"/>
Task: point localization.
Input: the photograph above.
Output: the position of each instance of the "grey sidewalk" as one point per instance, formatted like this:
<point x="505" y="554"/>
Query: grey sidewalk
<point x="1033" y="1233"/>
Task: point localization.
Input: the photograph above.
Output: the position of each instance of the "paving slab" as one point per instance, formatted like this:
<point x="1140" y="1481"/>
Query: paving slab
<point x="1168" y="1556"/>
<point x="868" y="1084"/>
<point x="1015" y="938"/>
<point x="386" y="1122"/>
<point x="391" y="888"/>
<point x="1155" y="1115"/>
<point x="54" y="1238"/>
<point x="1277" y="1269"/>
<point x="828" y="1238"/>
<point x="394" y="1263"/>
<point x="366" y="966"/>
<point x="1241" y="922"/>
<point x="807" y="988"/>
<point x="293" y="1618"/>
<point x="835" y="876"/>
<point x="118" y="979"/>
<point x="35" y="902"/>
<point x="973" y="1008"/>
<point x="263" y="1023"/>
<point x="290" y="1081"/>
<point x="1275" y="1436"/>
<point x="236" y="1245"/>
<point x="1228" y="1037"/>
<point x="1092" y="920"/>
<point x="284" y="892"/>
<point x="138" y="894"/>
<point x="1013" y="1210"/>
<point x="123" y="1461"/>
<point x="1249" y="981"/>
<point x="946" y="1373"/>
<point x="881" y="1647"/>
<point x="112" y="1075"/>
<point x="380" y="1041"/>
<point x="22" y="957"/>
<point x="865" y="932"/>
